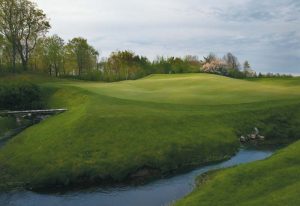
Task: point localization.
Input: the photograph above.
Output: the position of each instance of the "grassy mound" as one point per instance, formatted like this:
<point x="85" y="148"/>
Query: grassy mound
<point x="275" y="181"/>
<point x="165" y="122"/>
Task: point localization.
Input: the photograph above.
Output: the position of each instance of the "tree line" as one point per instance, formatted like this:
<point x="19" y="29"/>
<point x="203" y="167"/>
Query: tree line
<point x="25" y="46"/>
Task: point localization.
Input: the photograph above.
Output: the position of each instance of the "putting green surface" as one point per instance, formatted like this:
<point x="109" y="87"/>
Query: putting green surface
<point x="166" y="122"/>
<point x="195" y="89"/>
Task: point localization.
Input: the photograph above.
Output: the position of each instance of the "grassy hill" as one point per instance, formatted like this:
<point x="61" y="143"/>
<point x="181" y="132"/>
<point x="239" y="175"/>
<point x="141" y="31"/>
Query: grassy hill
<point x="273" y="182"/>
<point x="163" y="122"/>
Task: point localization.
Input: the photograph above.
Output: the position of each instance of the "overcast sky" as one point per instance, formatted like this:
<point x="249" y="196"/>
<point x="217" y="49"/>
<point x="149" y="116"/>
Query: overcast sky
<point x="265" y="32"/>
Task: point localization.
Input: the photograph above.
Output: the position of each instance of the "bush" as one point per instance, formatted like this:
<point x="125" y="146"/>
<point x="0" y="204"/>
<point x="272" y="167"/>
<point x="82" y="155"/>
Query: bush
<point x="93" y="75"/>
<point x="20" y="96"/>
<point x="234" y="73"/>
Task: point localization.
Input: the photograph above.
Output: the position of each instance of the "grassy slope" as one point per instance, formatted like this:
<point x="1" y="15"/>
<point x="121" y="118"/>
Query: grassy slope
<point x="275" y="181"/>
<point x="164" y="121"/>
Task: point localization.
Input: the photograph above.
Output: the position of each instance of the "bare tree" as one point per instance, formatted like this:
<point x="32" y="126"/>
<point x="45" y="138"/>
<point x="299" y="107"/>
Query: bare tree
<point x="232" y="61"/>
<point x="210" y="58"/>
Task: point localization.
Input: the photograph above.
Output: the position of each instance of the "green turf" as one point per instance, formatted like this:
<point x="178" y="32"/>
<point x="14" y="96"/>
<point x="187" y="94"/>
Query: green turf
<point x="165" y="122"/>
<point x="275" y="181"/>
<point x="195" y="89"/>
<point x="272" y="182"/>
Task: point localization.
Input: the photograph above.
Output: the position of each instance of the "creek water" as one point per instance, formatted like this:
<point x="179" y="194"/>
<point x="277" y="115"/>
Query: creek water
<point x="158" y="193"/>
<point x="20" y="126"/>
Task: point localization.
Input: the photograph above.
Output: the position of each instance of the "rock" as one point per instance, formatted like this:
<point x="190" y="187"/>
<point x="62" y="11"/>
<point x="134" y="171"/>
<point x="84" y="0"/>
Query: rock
<point x="243" y="139"/>
<point x="256" y="131"/>
<point x="253" y="136"/>
<point x="19" y="121"/>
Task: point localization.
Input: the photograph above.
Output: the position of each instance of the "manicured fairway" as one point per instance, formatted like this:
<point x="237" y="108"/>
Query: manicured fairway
<point x="165" y="122"/>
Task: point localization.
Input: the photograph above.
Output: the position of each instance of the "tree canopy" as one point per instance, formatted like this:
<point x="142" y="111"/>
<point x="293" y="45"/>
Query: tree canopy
<point x="22" y="23"/>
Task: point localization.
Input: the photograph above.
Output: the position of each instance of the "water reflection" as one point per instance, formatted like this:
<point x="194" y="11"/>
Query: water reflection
<point x="21" y="123"/>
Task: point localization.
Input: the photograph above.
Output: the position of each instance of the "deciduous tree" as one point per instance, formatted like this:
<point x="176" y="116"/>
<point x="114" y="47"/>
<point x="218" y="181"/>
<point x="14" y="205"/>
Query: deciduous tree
<point x="85" y="55"/>
<point x="22" y="23"/>
<point x="53" y="49"/>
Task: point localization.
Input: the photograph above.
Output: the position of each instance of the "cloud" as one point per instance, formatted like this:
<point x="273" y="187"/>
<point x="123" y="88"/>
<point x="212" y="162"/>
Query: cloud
<point x="276" y="10"/>
<point x="265" y="32"/>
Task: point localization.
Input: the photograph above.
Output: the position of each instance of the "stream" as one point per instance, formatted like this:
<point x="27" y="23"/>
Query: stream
<point x="22" y="125"/>
<point x="158" y="193"/>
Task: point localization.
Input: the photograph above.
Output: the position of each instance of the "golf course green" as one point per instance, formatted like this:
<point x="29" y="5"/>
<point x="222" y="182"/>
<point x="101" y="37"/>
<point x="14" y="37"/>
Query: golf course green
<point x="161" y="124"/>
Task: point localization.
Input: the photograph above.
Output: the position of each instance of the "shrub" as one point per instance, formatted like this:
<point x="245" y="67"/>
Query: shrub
<point x="20" y="96"/>
<point x="93" y="75"/>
